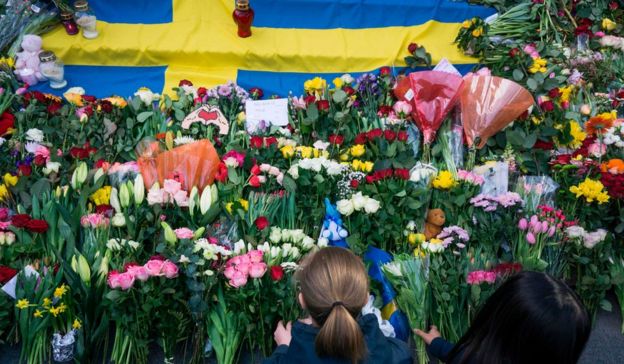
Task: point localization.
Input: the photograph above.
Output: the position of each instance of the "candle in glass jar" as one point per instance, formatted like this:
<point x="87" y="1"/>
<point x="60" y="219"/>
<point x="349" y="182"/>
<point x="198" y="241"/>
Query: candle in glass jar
<point x="67" y="18"/>
<point x="53" y="69"/>
<point x="86" y="19"/>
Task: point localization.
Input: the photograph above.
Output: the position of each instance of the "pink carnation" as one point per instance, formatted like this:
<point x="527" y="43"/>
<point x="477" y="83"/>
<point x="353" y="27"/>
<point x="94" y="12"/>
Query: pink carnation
<point x="138" y="272"/>
<point x="184" y="233"/>
<point x="170" y="269"/>
<point x="154" y="267"/>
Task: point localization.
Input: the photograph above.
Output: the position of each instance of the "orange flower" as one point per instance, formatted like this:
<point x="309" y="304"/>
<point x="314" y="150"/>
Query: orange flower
<point x="614" y="166"/>
<point x="599" y="123"/>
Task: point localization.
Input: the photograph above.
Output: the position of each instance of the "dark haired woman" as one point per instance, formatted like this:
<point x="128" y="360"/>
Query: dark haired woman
<point x="531" y="318"/>
<point x="334" y="288"/>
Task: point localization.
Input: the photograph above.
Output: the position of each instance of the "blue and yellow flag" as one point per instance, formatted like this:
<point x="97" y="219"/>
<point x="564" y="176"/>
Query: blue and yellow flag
<point x="156" y="43"/>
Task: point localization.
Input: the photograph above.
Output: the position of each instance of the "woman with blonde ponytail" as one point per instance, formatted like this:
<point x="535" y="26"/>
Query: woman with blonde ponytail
<point x="333" y="290"/>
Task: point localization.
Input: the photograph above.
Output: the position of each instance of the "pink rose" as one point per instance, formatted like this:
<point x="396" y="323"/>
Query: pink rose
<point x="138" y="272"/>
<point x="245" y="259"/>
<point x="257" y="270"/>
<point x="234" y="261"/>
<point x="172" y="186"/>
<point x="238" y="280"/>
<point x="229" y="272"/>
<point x="184" y="233"/>
<point x="244" y="268"/>
<point x="113" y="279"/>
<point x="170" y="269"/>
<point x="126" y="280"/>
<point x="255" y="256"/>
<point x="154" y="267"/>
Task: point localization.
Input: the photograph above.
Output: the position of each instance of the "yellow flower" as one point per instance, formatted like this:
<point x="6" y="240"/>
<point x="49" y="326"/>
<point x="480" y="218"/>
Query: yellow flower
<point x="577" y="133"/>
<point x="466" y="24"/>
<point x="76" y="325"/>
<point x="47" y="302"/>
<point x="608" y="24"/>
<point x="241" y="117"/>
<point x="101" y="196"/>
<point x="228" y="207"/>
<point x="477" y="32"/>
<point x="10" y="180"/>
<point x="117" y="101"/>
<point x="356" y="164"/>
<point x="74" y="98"/>
<point x="536" y="120"/>
<point x="55" y="311"/>
<point x="539" y="65"/>
<point x="305" y="152"/>
<point x="444" y="180"/>
<point x="591" y="190"/>
<point x="60" y="291"/>
<point x="38" y="313"/>
<point x="22" y="304"/>
<point x="338" y="82"/>
<point x="566" y="92"/>
<point x="368" y="166"/>
<point x="419" y="253"/>
<point x="53" y="98"/>
<point x="344" y="157"/>
<point x="244" y="203"/>
<point x="357" y="150"/>
<point x="62" y="307"/>
<point x="416" y="238"/>
<point x="4" y="192"/>
<point x="9" y="61"/>
<point x="288" y="151"/>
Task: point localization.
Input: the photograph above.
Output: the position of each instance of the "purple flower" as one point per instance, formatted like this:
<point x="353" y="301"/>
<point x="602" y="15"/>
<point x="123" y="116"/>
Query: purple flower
<point x="224" y="90"/>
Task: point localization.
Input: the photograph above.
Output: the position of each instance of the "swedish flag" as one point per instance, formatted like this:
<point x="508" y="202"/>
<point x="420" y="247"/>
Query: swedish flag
<point x="155" y="43"/>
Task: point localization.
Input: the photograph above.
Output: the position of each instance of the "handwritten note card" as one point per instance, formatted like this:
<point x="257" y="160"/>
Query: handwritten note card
<point x="267" y="112"/>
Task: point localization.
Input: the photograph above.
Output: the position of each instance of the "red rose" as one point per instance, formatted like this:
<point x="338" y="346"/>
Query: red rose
<point x="54" y="107"/>
<point x="270" y="141"/>
<point x="201" y="92"/>
<point x="354" y="183"/>
<point x="360" y="138"/>
<point x="547" y="106"/>
<point x="7" y="273"/>
<point x="402" y="173"/>
<point x="554" y="93"/>
<point x="39" y="160"/>
<point x="255" y="170"/>
<point x="385" y="71"/>
<point x="106" y="106"/>
<point x="7" y="121"/>
<point x="373" y="134"/>
<point x="38" y="96"/>
<point x="514" y="52"/>
<point x="222" y="173"/>
<point x="402" y="136"/>
<point x="562" y="159"/>
<point x="256" y="142"/>
<point x="412" y="47"/>
<point x="185" y="83"/>
<point x="20" y="220"/>
<point x="322" y="105"/>
<point x="37" y="226"/>
<point x="261" y="223"/>
<point x="384" y="110"/>
<point x="540" y="144"/>
<point x="88" y="98"/>
<point x="613" y="5"/>
<point x="254" y="181"/>
<point x="336" y="139"/>
<point x="370" y="179"/>
<point x="389" y="135"/>
<point x="25" y="170"/>
<point x="348" y="90"/>
<point x="310" y="99"/>
<point x="277" y="273"/>
<point x="256" y="93"/>
<point x="106" y="210"/>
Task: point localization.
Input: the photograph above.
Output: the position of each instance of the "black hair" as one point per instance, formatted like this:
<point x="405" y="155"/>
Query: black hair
<point x="531" y="318"/>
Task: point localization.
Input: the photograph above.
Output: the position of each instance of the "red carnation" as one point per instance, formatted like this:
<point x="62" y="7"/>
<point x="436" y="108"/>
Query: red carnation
<point x="185" y="83"/>
<point x="261" y="223"/>
<point x="222" y="173"/>
<point x="7" y="273"/>
<point x="412" y="47"/>
<point x="385" y="71"/>
<point x="322" y="105"/>
<point x="54" y="107"/>
<point x="7" y="121"/>
<point x="402" y="136"/>
<point x="336" y="139"/>
<point x="256" y="142"/>
<point x="201" y="92"/>
<point x="277" y="273"/>
<point x="255" y="170"/>
<point x="360" y="138"/>
<point x="254" y="181"/>
<point x="354" y="183"/>
<point x="390" y="135"/>
<point x="25" y="170"/>
<point x="373" y="134"/>
<point x="256" y="93"/>
<point x="37" y="226"/>
<point x="20" y="220"/>
<point x="270" y="141"/>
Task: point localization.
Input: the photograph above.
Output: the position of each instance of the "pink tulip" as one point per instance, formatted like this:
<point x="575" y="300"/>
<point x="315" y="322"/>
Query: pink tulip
<point x="154" y="268"/>
<point x="170" y="269"/>
<point x="138" y="272"/>
<point x="255" y="256"/>
<point x="523" y="224"/>
<point x="257" y="270"/>
<point x="126" y="280"/>
<point x="544" y="226"/>
<point x="551" y="231"/>
<point x="530" y="238"/>
<point x="534" y="220"/>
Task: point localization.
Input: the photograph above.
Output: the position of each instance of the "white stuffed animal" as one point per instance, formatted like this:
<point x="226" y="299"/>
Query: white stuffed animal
<point x="27" y="62"/>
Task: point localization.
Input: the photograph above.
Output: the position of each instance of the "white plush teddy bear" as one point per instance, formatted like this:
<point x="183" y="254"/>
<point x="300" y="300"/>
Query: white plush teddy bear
<point x="27" y="62"/>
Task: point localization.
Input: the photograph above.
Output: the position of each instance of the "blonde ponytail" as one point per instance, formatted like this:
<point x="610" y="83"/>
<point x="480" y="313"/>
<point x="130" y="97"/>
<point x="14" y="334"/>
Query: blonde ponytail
<point x="334" y="285"/>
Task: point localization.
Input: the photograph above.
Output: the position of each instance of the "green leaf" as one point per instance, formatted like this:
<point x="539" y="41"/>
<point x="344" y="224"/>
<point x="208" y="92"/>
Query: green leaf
<point x="532" y="84"/>
<point x="144" y="116"/>
<point x="179" y="115"/>
<point x="339" y="96"/>
<point x="518" y="75"/>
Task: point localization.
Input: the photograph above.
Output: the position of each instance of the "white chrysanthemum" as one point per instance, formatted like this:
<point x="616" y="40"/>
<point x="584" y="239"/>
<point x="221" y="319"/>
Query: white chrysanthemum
<point x="183" y="140"/>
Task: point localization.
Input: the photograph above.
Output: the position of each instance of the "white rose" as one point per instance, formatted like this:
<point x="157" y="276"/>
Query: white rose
<point x="345" y="207"/>
<point x="307" y="243"/>
<point x="322" y="242"/>
<point x="334" y="169"/>
<point x="133" y="244"/>
<point x="118" y="220"/>
<point x="593" y="238"/>
<point x="306" y="164"/>
<point x="316" y="165"/>
<point x="276" y="235"/>
<point x="34" y="135"/>
<point x="294" y="171"/>
<point x="239" y="247"/>
<point x="347" y="78"/>
<point x="359" y="201"/>
<point x="575" y="232"/>
<point x="321" y="145"/>
<point x="147" y="96"/>
<point x="371" y="206"/>
<point x="51" y="167"/>
<point x="113" y="244"/>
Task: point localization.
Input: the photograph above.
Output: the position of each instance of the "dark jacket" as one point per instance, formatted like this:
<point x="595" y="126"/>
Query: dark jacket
<point x="380" y="348"/>
<point x="440" y="349"/>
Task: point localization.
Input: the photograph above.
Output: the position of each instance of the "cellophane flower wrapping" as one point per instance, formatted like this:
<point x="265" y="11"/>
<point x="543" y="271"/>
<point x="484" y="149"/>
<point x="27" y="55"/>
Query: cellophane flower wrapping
<point x="496" y="178"/>
<point x="194" y="164"/>
<point x="489" y="104"/>
<point x="536" y="191"/>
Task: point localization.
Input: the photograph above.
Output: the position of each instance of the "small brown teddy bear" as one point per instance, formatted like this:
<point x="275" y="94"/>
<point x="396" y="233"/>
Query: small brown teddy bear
<point x="434" y="223"/>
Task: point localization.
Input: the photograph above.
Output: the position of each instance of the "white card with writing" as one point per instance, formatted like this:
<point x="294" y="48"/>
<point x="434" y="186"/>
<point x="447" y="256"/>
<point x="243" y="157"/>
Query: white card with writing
<point x="269" y="112"/>
<point x="9" y="287"/>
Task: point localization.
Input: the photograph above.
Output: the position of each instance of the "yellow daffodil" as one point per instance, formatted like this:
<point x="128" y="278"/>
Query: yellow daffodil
<point x="338" y="82"/>
<point x="288" y="151"/>
<point x="466" y="24"/>
<point x="591" y="190"/>
<point x="443" y="181"/>
<point x="539" y="65"/>
<point x="47" y="302"/>
<point x="608" y="24"/>
<point x="22" y="304"/>
<point x="38" y="313"/>
<point x="62" y="307"/>
<point x="9" y="179"/>
<point x="357" y="150"/>
<point x="55" y="311"/>
<point x="4" y="192"/>
<point x="101" y="196"/>
<point x="60" y="291"/>
<point x="76" y="325"/>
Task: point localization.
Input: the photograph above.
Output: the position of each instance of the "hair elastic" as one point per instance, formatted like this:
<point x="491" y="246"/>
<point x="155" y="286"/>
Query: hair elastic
<point x="337" y="303"/>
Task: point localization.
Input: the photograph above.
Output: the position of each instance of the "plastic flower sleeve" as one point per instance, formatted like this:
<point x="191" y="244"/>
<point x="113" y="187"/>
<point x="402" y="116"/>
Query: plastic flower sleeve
<point x="496" y="178"/>
<point x="147" y="150"/>
<point x="413" y="138"/>
<point x="456" y="138"/>
<point x="536" y="191"/>
<point x="63" y="347"/>
<point x="195" y="164"/>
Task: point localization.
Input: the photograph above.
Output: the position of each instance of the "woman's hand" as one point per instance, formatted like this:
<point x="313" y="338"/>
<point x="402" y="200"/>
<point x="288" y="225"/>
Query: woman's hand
<point x="428" y="337"/>
<point x="282" y="333"/>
